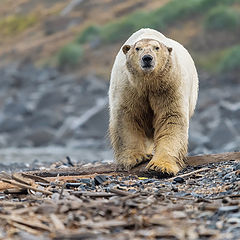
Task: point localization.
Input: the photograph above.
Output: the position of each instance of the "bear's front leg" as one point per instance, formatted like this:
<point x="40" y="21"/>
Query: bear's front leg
<point x="170" y="140"/>
<point x="128" y="141"/>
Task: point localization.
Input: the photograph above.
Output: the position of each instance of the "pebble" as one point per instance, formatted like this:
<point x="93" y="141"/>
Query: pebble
<point x="179" y="180"/>
<point x="237" y="173"/>
<point x="85" y="180"/>
<point x="190" y="205"/>
<point x="233" y="220"/>
<point x="237" y="167"/>
<point x="99" y="179"/>
<point x="228" y="209"/>
<point x="235" y="215"/>
<point x="227" y="176"/>
<point x="179" y="214"/>
<point x="205" y="214"/>
<point x="69" y="185"/>
<point x="175" y="189"/>
<point x="219" y="224"/>
<point x="148" y="181"/>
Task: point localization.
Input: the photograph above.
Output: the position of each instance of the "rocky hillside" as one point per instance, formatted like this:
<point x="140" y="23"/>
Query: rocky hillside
<point x="76" y="34"/>
<point x="34" y="30"/>
<point x="56" y="56"/>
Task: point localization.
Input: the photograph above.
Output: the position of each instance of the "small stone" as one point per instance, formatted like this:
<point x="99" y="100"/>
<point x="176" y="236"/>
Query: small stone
<point x="179" y="180"/>
<point x="73" y="185"/>
<point x="219" y="224"/>
<point x="226" y="200"/>
<point x="82" y="188"/>
<point x="179" y="214"/>
<point x="228" y="209"/>
<point x="196" y="195"/>
<point x="99" y="179"/>
<point x="148" y="181"/>
<point x="55" y="196"/>
<point x="191" y="182"/>
<point x="235" y="215"/>
<point x="205" y="214"/>
<point x="86" y="181"/>
<point x="227" y="176"/>
<point x="233" y="220"/>
<point x="237" y="173"/>
<point x="237" y="167"/>
<point x="175" y="189"/>
<point x="132" y="191"/>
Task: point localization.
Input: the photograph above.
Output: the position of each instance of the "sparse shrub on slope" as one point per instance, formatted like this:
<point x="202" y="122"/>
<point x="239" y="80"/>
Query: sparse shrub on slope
<point x="231" y="61"/>
<point x="70" y="55"/>
<point x="122" y="29"/>
<point x="158" y="19"/>
<point x="222" y="18"/>
<point x="221" y="61"/>
<point x="171" y="12"/>
<point x="219" y="14"/>
<point x="114" y="32"/>
<point x="88" y="34"/>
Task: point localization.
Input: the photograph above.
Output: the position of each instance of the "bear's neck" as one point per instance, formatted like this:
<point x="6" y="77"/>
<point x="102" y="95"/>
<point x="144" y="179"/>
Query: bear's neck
<point x="162" y="80"/>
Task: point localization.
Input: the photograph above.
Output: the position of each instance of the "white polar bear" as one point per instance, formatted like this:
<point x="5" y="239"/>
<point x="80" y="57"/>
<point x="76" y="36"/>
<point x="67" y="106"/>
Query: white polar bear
<point x="152" y="95"/>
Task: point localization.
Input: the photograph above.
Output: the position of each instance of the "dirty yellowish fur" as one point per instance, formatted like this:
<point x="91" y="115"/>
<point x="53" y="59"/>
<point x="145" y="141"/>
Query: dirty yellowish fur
<point x="150" y="107"/>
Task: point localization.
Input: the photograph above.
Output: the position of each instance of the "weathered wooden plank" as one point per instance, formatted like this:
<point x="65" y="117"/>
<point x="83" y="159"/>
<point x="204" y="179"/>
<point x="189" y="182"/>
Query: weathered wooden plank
<point x="139" y="170"/>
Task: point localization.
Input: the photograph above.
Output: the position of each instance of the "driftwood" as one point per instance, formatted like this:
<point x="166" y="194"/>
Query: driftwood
<point x="191" y="173"/>
<point x="67" y="207"/>
<point x="139" y="170"/>
<point x="25" y="186"/>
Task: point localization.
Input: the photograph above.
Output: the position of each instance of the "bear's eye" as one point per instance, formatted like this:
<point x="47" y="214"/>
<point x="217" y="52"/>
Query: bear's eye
<point x="157" y="48"/>
<point x="137" y="49"/>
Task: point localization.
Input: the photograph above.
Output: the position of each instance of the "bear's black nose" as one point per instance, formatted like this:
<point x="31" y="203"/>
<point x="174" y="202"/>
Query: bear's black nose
<point x="147" y="59"/>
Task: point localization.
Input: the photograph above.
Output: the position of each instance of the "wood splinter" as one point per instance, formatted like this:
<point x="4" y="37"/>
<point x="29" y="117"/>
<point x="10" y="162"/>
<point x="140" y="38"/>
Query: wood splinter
<point x="21" y="185"/>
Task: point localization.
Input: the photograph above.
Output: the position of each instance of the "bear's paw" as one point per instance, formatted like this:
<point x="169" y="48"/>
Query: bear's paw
<point x="164" y="163"/>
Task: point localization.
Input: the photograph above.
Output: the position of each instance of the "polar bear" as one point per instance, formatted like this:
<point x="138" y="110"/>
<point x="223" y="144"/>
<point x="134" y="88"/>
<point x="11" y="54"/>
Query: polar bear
<point x="152" y="96"/>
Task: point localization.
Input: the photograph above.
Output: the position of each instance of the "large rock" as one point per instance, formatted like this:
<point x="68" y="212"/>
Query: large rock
<point x="230" y="110"/>
<point x="50" y="99"/>
<point x="96" y="126"/>
<point x="222" y="135"/>
<point x="35" y="103"/>
<point x="15" y="107"/>
<point x="94" y="85"/>
<point x="45" y="118"/>
<point x="197" y="141"/>
<point x="41" y="137"/>
<point x="11" y="124"/>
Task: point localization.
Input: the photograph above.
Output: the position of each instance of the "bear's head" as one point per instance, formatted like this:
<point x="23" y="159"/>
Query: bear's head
<point x="146" y="56"/>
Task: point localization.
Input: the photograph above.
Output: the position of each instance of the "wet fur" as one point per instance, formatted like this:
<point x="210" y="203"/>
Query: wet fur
<point x="147" y="113"/>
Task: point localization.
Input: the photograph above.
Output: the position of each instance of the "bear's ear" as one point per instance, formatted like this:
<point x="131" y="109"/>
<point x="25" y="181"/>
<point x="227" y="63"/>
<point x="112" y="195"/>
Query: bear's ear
<point x="126" y="48"/>
<point x="169" y="49"/>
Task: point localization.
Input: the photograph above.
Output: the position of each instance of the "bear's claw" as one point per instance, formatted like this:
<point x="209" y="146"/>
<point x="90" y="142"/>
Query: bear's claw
<point x="166" y="164"/>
